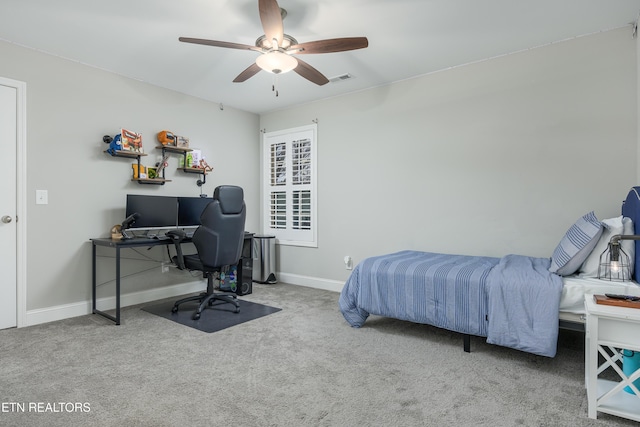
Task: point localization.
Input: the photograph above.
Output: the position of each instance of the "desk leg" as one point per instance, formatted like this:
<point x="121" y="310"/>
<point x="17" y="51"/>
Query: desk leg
<point x="117" y="286"/>
<point x="94" y="288"/>
<point x="93" y="280"/>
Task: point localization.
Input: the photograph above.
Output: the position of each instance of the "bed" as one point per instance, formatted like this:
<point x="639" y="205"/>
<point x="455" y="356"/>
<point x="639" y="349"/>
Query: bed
<point x="514" y="301"/>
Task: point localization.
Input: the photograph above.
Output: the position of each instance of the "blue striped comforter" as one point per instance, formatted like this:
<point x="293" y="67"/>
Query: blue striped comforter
<point x="456" y="292"/>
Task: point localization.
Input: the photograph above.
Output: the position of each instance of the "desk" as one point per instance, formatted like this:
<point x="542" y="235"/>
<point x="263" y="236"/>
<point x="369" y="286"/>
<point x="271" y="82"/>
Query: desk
<point x="244" y="266"/>
<point x="117" y="245"/>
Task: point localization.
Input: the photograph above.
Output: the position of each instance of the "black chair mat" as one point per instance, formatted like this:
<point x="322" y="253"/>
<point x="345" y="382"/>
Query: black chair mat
<point x="215" y="318"/>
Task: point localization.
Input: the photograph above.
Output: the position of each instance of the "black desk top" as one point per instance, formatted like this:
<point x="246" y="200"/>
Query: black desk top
<point x="136" y="241"/>
<point x="141" y="241"/>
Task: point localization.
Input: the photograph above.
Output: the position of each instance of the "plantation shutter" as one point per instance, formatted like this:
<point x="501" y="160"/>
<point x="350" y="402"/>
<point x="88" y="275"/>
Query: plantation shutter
<point x="290" y="185"/>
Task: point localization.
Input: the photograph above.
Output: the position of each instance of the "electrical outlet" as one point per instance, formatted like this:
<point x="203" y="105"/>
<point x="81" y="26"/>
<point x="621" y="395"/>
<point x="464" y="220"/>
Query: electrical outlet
<point x="165" y="267"/>
<point x="348" y="263"/>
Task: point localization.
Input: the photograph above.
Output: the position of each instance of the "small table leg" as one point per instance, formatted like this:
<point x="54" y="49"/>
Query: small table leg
<point x="591" y="366"/>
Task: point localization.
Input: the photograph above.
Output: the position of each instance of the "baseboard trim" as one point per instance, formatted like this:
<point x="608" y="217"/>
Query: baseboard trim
<point x="311" y="282"/>
<point x="60" y="312"/>
<point x="82" y="308"/>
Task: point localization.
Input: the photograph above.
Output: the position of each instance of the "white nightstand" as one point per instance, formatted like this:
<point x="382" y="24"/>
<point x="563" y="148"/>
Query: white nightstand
<point x="610" y="329"/>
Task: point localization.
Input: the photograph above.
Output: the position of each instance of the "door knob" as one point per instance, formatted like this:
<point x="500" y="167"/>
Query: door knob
<point x="6" y="219"/>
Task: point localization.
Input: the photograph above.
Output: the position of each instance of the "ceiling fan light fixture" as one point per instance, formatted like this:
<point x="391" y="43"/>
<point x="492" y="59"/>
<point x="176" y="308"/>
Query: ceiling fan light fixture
<point x="276" y="62"/>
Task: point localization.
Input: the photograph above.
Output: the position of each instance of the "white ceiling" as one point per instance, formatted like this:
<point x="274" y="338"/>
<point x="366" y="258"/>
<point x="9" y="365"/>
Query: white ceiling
<point x="407" y="38"/>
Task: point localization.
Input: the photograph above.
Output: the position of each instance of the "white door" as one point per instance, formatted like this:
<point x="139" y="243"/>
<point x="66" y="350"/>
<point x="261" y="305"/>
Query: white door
<point x="8" y="206"/>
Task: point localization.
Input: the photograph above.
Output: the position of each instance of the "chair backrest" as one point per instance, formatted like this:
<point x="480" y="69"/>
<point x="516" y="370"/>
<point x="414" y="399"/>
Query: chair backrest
<point x="220" y="236"/>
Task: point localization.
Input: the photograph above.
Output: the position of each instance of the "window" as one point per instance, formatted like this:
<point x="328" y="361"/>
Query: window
<point x="289" y="185"/>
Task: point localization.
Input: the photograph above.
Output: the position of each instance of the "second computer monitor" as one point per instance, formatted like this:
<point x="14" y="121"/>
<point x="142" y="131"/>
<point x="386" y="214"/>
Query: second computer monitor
<point x="190" y="209"/>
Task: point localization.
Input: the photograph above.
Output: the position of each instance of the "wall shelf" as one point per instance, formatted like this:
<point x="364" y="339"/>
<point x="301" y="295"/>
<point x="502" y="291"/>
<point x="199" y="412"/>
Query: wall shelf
<point x="184" y="151"/>
<point x="165" y="149"/>
<point x="156" y="181"/>
<point x="136" y="155"/>
<point x="172" y="149"/>
<point x="193" y="170"/>
<point x="127" y="154"/>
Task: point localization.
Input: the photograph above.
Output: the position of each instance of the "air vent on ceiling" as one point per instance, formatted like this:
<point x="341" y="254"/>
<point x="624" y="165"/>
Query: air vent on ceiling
<point x="341" y="78"/>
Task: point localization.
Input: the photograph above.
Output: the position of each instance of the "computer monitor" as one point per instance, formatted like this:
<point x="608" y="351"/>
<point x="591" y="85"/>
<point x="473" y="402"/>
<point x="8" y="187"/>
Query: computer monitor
<point x="190" y="209"/>
<point x="156" y="212"/>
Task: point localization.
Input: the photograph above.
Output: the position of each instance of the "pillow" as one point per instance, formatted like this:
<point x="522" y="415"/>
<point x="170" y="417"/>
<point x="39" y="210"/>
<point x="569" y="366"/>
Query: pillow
<point x="576" y="245"/>
<point x="612" y="226"/>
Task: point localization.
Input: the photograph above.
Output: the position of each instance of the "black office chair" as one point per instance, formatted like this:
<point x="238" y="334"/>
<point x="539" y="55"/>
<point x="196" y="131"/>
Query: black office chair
<point x="218" y="241"/>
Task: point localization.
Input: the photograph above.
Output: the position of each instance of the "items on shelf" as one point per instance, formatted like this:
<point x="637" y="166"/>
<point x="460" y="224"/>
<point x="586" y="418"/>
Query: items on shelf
<point x="131" y="141"/>
<point x="195" y="161"/>
<point x="139" y="171"/>
<point x="163" y="163"/>
<point x="182" y="142"/>
<point x="168" y="138"/>
<point x="125" y="141"/>
<point x="114" y="144"/>
<point x="205" y="166"/>
<point x="129" y="144"/>
<point x="196" y="156"/>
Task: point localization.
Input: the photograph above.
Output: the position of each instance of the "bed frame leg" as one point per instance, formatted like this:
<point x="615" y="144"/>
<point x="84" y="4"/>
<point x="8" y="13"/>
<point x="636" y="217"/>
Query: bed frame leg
<point x="467" y="343"/>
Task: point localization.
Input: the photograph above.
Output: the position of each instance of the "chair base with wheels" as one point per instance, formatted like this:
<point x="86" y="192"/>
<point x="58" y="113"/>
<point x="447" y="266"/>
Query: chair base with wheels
<point x="206" y="299"/>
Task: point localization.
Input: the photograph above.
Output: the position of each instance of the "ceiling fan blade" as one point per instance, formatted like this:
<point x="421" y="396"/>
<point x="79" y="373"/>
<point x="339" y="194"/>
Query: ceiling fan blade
<point x="331" y="45"/>
<point x="219" y="44"/>
<point x="251" y="71"/>
<point x="310" y="73"/>
<point x="271" y="19"/>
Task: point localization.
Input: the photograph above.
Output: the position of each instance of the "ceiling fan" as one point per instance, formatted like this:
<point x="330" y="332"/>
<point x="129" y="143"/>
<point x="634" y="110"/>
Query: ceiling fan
<point x="277" y="48"/>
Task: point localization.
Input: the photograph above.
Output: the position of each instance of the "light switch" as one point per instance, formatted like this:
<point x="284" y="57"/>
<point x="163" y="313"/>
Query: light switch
<point x="42" y="197"/>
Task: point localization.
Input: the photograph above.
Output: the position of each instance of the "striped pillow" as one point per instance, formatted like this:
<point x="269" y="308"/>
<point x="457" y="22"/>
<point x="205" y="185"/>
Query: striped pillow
<point x="576" y="245"/>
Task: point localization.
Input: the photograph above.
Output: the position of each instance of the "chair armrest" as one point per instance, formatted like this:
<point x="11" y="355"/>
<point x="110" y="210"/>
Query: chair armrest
<point x="174" y="235"/>
<point x="177" y="236"/>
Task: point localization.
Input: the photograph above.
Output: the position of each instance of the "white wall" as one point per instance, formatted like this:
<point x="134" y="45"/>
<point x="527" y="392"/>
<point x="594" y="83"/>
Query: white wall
<point x="69" y="108"/>
<point x="496" y="157"/>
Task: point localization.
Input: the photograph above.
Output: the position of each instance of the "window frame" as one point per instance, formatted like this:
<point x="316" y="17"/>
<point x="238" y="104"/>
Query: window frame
<point x="298" y="227"/>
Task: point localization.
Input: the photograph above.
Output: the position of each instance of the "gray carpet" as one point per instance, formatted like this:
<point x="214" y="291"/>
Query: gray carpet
<point x="219" y="316"/>
<point x="302" y="366"/>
